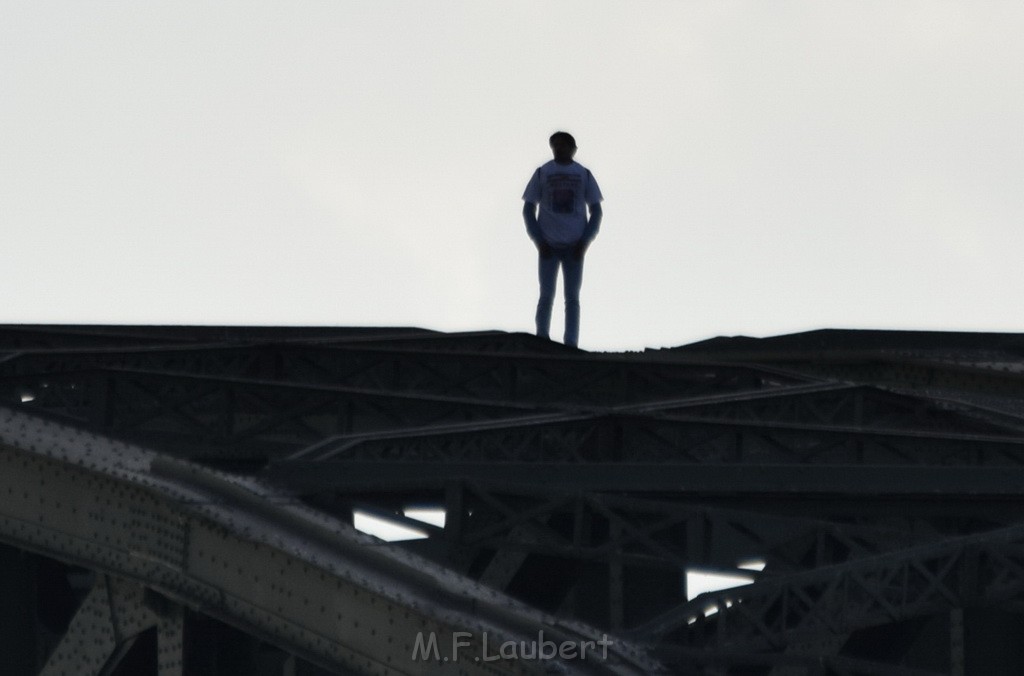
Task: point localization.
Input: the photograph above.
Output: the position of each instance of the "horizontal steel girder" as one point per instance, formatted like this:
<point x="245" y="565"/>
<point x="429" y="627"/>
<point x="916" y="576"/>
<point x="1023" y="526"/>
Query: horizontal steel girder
<point x="541" y="376"/>
<point x="953" y="482"/>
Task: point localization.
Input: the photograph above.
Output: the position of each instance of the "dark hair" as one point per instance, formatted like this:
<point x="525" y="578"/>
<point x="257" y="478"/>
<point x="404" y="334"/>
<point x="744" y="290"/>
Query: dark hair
<point x="562" y="135"/>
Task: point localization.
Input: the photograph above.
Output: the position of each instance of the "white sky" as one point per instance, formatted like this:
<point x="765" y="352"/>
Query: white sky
<point x="767" y="166"/>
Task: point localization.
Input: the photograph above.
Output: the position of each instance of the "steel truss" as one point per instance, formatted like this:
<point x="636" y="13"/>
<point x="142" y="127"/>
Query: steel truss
<point x="876" y="475"/>
<point x="228" y="546"/>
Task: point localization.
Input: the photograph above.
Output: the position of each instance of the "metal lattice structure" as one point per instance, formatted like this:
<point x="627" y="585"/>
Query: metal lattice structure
<point x="180" y="500"/>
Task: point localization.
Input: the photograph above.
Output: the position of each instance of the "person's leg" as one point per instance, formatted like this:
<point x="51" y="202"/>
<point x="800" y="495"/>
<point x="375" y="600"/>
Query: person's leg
<point x="547" y="273"/>
<point x="572" y="277"/>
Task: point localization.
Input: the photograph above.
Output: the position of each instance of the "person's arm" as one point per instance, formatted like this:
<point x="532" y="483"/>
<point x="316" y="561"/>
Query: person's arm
<point x="533" y="229"/>
<point x="590" y="231"/>
<point x="530" y="218"/>
<point x="594" y="223"/>
<point x="531" y="199"/>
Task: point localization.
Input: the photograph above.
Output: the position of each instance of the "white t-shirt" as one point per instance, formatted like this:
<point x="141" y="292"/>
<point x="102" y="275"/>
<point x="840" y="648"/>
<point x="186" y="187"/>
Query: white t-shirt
<point x="563" y="192"/>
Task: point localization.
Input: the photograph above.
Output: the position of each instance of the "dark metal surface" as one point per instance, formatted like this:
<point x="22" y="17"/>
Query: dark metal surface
<point x="877" y="475"/>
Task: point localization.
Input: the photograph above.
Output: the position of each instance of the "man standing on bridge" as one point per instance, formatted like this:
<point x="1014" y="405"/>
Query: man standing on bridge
<point x="563" y="191"/>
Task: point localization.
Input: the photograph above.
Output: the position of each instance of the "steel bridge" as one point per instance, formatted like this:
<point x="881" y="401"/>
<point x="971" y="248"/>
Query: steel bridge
<point x="180" y="501"/>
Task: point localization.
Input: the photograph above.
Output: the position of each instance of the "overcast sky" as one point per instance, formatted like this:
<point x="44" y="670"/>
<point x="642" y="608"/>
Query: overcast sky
<point x="767" y="167"/>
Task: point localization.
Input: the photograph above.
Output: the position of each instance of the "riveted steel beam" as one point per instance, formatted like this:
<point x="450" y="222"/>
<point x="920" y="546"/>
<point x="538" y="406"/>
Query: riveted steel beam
<point x="112" y="615"/>
<point x="545" y="455"/>
<point x="229" y="548"/>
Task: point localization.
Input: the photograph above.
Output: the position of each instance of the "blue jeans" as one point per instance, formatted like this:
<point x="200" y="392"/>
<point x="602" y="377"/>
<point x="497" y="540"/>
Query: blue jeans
<point x="572" y="280"/>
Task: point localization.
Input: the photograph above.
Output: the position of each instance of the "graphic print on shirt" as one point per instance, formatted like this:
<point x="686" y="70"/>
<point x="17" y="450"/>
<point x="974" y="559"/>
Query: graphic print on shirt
<point x="563" y="189"/>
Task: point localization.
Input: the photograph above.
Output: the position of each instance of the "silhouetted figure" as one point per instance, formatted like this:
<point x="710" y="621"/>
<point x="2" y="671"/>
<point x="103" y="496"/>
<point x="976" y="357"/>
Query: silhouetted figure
<point x="563" y="190"/>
